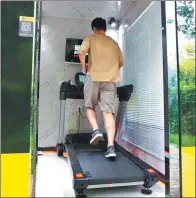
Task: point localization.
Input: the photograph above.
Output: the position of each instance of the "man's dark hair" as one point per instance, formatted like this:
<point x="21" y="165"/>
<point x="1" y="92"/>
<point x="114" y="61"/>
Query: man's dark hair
<point x="99" y="24"/>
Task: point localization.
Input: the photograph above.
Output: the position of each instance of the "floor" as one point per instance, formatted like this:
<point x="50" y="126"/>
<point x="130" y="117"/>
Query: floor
<point x="188" y="171"/>
<point x="174" y="171"/>
<point x="54" y="179"/>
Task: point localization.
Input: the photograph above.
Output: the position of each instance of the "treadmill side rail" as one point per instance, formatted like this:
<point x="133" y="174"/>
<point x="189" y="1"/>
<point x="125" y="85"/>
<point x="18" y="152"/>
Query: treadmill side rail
<point x="80" y="179"/>
<point x="115" y="185"/>
<point x="124" y="95"/>
<point x="151" y="176"/>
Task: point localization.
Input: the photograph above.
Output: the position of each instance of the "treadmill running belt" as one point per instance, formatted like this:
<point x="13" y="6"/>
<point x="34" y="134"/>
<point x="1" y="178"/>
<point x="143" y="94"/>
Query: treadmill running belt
<point x="104" y="171"/>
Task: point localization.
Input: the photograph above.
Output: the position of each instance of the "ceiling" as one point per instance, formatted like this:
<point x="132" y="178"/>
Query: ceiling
<point x="85" y="9"/>
<point x="122" y="10"/>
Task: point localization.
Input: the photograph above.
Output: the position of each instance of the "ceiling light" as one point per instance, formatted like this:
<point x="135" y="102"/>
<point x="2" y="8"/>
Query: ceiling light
<point x="113" y="24"/>
<point x="119" y="3"/>
<point x="125" y="25"/>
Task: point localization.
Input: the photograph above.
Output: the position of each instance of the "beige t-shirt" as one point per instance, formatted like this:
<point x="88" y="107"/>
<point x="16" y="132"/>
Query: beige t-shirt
<point x="104" y="58"/>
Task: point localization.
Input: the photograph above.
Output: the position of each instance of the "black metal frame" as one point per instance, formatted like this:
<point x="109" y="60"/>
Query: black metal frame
<point x="38" y="76"/>
<point x="80" y="184"/>
<point x="166" y="106"/>
<point x="179" y="101"/>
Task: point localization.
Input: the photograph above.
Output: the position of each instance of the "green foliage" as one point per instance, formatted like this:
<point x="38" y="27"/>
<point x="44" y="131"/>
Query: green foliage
<point x="187" y="93"/>
<point x="185" y="11"/>
<point x="187" y="88"/>
<point x="170" y="21"/>
<point x="173" y="112"/>
<point x="187" y="139"/>
<point x="190" y="49"/>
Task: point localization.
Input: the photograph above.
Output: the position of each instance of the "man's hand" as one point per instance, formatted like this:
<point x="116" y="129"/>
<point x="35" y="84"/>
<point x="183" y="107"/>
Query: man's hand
<point x="82" y="57"/>
<point x="85" y="70"/>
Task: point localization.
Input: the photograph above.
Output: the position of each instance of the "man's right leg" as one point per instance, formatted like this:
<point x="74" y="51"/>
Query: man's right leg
<point x="110" y="127"/>
<point x="108" y="96"/>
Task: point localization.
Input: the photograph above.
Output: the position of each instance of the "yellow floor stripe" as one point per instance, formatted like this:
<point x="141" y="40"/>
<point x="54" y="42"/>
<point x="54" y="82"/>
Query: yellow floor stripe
<point x="15" y="175"/>
<point x="188" y="172"/>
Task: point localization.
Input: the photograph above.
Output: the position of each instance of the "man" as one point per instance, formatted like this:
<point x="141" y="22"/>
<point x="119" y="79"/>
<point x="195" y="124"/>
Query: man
<point x="103" y="71"/>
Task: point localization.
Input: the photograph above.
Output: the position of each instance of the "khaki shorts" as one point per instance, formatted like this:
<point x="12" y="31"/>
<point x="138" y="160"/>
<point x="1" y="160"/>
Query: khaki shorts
<point x="102" y="94"/>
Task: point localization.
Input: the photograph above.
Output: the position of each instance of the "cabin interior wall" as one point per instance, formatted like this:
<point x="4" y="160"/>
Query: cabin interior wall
<point x="55" y="28"/>
<point x="54" y="70"/>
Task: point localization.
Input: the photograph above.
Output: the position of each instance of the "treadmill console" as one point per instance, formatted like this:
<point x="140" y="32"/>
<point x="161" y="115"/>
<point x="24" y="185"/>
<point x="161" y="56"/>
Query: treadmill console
<point x="80" y="79"/>
<point x="73" y="90"/>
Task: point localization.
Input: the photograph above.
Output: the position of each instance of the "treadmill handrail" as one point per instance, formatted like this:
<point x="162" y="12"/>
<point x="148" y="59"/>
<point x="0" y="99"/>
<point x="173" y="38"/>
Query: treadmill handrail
<point x="71" y="91"/>
<point x="124" y="92"/>
<point x="76" y="91"/>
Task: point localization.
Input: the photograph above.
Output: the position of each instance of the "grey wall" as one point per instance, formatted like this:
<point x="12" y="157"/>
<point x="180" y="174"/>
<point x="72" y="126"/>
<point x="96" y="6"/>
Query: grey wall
<point x="53" y="70"/>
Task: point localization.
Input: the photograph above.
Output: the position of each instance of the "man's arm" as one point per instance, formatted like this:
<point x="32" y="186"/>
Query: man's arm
<point x="82" y="53"/>
<point x="82" y="58"/>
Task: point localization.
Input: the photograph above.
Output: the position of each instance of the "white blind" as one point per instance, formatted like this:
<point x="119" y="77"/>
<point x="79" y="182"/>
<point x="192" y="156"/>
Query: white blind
<point x="142" y="49"/>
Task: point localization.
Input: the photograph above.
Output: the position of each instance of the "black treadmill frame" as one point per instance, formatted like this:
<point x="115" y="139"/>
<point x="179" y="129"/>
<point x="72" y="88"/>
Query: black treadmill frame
<point x="80" y="184"/>
<point x="80" y="179"/>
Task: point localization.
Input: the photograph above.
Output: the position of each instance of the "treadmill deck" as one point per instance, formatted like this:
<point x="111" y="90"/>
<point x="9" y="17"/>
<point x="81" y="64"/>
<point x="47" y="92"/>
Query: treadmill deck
<point x="101" y="170"/>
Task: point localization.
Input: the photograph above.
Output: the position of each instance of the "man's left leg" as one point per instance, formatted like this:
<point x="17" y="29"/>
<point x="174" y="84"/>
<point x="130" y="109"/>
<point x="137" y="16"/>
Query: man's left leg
<point x="97" y="135"/>
<point x="91" y="95"/>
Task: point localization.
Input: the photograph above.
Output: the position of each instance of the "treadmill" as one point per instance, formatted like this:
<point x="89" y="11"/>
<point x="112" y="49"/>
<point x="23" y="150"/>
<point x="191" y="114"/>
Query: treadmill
<point x="90" y="167"/>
